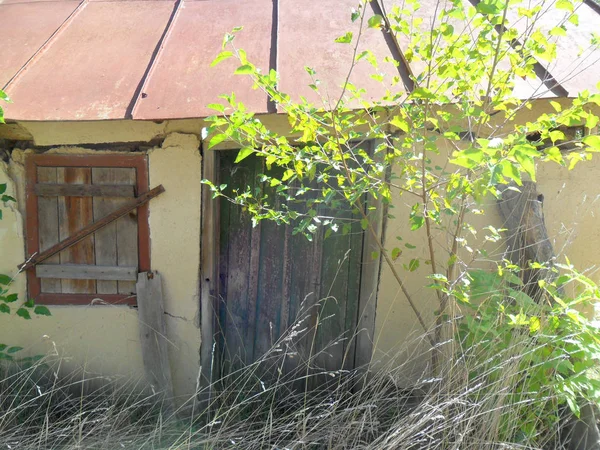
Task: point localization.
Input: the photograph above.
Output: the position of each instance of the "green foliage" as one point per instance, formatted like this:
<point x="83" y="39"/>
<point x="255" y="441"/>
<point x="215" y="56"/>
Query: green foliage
<point x="7" y="299"/>
<point x="5" y="98"/>
<point x="555" y="349"/>
<point x="444" y="143"/>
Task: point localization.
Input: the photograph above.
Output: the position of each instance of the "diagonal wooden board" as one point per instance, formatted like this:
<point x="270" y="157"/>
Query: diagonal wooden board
<point x="91" y="228"/>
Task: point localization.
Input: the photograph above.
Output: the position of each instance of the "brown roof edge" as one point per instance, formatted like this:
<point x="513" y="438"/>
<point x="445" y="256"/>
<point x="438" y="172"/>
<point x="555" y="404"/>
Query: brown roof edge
<point x="159" y="45"/>
<point x="46" y="43"/>
<point x="390" y="38"/>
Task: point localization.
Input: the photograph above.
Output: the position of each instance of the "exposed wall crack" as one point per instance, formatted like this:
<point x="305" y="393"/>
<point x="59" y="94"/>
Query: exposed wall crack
<point x="176" y="317"/>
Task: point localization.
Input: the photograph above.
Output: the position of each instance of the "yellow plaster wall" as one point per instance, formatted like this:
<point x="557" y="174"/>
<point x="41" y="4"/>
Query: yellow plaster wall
<point x="571" y="209"/>
<point x="175" y="237"/>
<point x="104" y="340"/>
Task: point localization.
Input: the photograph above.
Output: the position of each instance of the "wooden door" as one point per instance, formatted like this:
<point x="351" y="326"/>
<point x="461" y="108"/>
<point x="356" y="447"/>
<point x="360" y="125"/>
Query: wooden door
<point x="270" y="279"/>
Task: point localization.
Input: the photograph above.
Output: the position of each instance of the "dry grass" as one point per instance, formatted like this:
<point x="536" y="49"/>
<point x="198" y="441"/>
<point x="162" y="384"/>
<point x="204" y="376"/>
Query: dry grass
<point x="265" y="405"/>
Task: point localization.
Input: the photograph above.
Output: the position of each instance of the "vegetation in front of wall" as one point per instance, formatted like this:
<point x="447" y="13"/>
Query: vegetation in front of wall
<point x="448" y="141"/>
<point x="6" y="99"/>
<point x="8" y="299"/>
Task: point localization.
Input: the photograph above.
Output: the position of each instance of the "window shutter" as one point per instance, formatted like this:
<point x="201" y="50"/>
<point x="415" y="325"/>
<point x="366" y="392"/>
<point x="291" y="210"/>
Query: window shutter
<point x="70" y="193"/>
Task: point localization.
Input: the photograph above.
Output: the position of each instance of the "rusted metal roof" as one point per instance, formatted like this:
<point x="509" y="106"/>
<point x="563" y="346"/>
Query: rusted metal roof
<point x="181" y="82"/>
<point x="150" y="59"/>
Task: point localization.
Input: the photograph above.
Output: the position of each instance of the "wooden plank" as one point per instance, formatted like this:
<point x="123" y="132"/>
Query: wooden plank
<point x="270" y="299"/>
<point x="369" y="286"/>
<point x="127" y="233"/>
<point x="86" y="272"/>
<point x="83" y="190"/>
<point x="237" y="237"/>
<point x="331" y="333"/>
<point x="74" y="214"/>
<point x="83" y="233"/>
<point x="353" y="293"/>
<point x="106" y="238"/>
<point x="117" y="243"/>
<point x="48" y="225"/>
<point x="209" y="276"/>
<point x="153" y="335"/>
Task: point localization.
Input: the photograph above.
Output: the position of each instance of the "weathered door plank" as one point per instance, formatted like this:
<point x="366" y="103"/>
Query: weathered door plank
<point x="84" y="190"/>
<point x="153" y="338"/>
<point x="75" y="213"/>
<point x="85" y="272"/>
<point x="48" y="225"/>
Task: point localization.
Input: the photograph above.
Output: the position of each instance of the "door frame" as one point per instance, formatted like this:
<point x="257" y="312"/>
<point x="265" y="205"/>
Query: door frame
<point x="209" y="278"/>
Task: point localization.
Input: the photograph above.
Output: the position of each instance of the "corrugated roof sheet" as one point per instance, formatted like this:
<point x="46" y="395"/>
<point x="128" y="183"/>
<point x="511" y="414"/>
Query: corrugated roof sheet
<point x="150" y="59"/>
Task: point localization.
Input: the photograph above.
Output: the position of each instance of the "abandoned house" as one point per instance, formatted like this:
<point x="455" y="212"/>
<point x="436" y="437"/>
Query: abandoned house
<point x="108" y="104"/>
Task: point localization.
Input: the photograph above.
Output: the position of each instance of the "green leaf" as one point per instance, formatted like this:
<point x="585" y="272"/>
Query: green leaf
<point x="400" y="123"/>
<point x="11" y="298"/>
<point x="4" y="96"/>
<point x="355" y="15"/>
<point x="216" y="107"/>
<point x="22" y="312"/>
<point x="410" y="246"/>
<point x="376" y="21"/>
<point x="345" y="39"/>
<point x="42" y="311"/>
<point x="564" y="4"/>
<point x="413" y="265"/>
<point x="5" y="279"/>
<point x="489" y="6"/>
<point x="2" y="347"/>
<point x="14" y="349"/>
<point x="364" y="223"/>
<point x="244" y="70"/>
<point x="396" y="252"/>
<point x="524" y="156"/>
<point x="558" y="31"/>
<point x="216" y="139"/>
<point x="2" y="188"/>
<point x="592" y="141"/>
<point x="29" y="303"/>
<point x="509" y="171"/>
<point x="243" y="154"/>
<point x="416" y="222"/>
<point x="4" y="308"/>
<point x="221" y="57"/>
<point x="554" y="154"/>
<point x="6" y="357"/>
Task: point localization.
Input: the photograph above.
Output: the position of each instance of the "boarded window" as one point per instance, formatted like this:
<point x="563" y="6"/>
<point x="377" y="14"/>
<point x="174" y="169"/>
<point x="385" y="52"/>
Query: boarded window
<point x="66" y="193"/>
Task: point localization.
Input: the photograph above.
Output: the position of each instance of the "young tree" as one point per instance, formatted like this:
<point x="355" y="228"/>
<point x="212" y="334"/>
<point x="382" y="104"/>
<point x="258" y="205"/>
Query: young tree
<point x="448" y="140"/>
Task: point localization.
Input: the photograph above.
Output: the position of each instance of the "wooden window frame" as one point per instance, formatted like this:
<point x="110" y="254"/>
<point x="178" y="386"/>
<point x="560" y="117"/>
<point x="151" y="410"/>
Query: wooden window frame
<point x="139" y="162"/>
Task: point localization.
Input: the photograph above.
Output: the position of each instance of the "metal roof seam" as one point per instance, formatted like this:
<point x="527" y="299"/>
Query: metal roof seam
<point x="404" y="69"/>
<point x="139" y="91"/>
<point x="273" y="57"/>
<point x="46" y="44"/>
